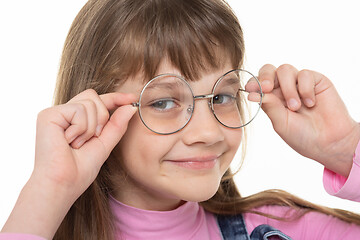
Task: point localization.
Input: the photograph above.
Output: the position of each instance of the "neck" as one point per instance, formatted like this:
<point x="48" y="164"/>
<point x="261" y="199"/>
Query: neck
<point x="143" y="198"/>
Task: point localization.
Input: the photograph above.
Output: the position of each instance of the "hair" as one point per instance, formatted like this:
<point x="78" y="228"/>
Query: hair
<point x="111" y="41"/>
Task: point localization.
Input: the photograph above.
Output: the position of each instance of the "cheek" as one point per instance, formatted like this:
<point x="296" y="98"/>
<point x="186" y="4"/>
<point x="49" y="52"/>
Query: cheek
<point x="141" y="149"/>
<point x="234" y="138"/>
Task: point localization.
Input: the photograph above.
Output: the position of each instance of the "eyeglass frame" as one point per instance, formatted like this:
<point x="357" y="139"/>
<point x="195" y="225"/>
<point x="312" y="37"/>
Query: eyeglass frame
<point x="198" y="97"/>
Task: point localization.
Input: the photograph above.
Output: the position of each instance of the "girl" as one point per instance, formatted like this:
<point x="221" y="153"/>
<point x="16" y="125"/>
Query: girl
<point x="104" y="171"/>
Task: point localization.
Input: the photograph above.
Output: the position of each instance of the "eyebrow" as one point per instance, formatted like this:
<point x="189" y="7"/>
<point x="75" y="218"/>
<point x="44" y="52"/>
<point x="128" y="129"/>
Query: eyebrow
<point x="177" y="84"/>
<point x="167" y="85"/>
<point x="231" y="80"/>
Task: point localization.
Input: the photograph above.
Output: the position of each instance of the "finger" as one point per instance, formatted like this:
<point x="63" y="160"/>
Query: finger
<point x="97" y="115"/>
<point x="75" y="117"/>
<point x="275" y="109"/>
<point x="102" y="114"/>
<point x="111" y="101"/>
<point x="321" y="82"/>
<point x="71" y="119"/>
<point x="92" y="123"/>
<point x="255" y="97"/>
<point x="306" y="87"/>
<point x="104" y="103"/>
<point x="112" y="132"/>
<point x="287" y="77"/>
<point x="253" y="86"/>
<point x="267" y="77"/>
<point x="116" y="99"/>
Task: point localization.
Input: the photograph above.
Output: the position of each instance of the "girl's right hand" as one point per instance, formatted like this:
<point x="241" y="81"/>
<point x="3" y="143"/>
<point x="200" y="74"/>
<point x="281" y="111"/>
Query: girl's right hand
<point x="73" y="141"/>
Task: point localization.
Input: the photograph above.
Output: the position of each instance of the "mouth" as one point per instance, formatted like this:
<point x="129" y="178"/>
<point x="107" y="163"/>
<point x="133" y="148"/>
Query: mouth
<point x="197" y="163"/>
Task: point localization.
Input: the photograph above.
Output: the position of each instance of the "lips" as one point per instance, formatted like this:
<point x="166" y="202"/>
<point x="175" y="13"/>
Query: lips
<point x="201" y="162"/>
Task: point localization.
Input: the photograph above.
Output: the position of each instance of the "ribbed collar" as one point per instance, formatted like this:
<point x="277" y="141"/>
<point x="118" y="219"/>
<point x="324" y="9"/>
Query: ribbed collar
<point x="188" y="221"/>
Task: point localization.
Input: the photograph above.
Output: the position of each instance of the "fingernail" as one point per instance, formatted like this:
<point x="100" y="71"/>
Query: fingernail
<point x="293" y="104"/>
<point x="98" y="130"/>
<point x="308" y="102"/>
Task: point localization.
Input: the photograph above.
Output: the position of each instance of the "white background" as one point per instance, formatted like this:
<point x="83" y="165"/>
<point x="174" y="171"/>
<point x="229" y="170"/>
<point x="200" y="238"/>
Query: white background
<point x="319" y="35"/>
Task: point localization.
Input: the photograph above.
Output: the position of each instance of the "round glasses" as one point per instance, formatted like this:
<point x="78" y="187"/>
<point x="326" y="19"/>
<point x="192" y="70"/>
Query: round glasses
<point x="167" y="102"/>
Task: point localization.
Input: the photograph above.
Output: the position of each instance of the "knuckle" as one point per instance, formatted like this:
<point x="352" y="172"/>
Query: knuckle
<point x="268" y="66"/>
<point x="266" y="71"/>
<point x="104" y="117"/>
<point x="80" y="107"/>
<point x="43" y="114"/>
<point x="89" y="104"/>
<point x="265" y="76"/>
<point x="86" y="94"/>
<point x="90" y="92"/>
<point x="285" y="68"/>
<point x="305" y="74"/>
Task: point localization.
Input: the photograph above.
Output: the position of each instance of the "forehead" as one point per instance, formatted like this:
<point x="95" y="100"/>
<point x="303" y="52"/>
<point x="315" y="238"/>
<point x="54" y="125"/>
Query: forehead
<point x="203" y="84"/>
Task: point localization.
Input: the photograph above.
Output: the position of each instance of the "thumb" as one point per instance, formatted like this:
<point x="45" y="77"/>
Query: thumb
<point x="116" y="127"/>
<point x="275" y="110"/>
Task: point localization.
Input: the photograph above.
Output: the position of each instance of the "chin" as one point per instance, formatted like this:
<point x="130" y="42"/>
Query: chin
<point x="199" y="192"/>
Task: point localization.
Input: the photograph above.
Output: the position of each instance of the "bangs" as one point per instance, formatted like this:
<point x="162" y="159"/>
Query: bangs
<point x="195" y="36"/>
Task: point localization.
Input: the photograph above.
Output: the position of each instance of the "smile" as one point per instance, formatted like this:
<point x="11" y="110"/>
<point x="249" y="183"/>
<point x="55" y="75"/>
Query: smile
<point x="196" y="163"/>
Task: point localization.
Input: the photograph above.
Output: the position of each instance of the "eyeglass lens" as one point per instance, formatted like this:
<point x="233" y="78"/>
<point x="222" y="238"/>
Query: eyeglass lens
<point x="167" y="102"/>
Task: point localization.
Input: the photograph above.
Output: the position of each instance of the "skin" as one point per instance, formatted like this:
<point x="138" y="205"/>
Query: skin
<point x="203" y="137"/>
<point x="309" y="115"/>
<point x="74" y="139"/>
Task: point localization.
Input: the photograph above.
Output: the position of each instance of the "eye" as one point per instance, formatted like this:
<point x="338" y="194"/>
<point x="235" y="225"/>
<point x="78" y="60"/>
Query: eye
<point x="163" y="104"/>
<point x="223" y="99"/>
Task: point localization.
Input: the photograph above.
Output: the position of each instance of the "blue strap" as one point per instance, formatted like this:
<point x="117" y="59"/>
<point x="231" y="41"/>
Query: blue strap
<point x="233" y="228"/>
<point x="263" y="232"/>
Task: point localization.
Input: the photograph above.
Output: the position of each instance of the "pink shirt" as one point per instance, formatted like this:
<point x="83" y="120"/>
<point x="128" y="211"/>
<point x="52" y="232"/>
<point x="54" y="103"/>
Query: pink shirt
<point x="190" y="221"/>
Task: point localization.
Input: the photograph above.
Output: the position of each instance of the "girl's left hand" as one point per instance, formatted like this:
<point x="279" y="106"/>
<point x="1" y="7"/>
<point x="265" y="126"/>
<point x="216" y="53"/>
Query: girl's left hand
<point x="309" y="115"/>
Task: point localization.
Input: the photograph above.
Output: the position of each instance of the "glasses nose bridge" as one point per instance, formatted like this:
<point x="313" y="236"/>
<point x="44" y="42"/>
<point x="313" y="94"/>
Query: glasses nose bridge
<point x="204" y="96"/>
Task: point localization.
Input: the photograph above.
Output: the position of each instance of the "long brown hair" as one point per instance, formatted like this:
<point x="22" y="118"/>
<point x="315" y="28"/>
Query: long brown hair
<point x="112" y="40"/>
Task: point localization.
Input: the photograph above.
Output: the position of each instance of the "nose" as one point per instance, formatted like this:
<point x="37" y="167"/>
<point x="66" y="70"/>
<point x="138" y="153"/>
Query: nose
<point x="203" y="126"/>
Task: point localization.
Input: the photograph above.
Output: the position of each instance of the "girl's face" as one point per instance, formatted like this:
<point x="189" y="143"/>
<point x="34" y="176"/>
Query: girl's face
<point x="164" y="170"/>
